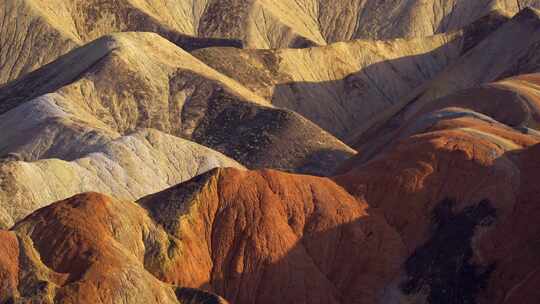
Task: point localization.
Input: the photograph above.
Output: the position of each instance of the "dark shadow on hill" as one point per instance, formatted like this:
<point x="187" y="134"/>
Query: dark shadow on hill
<point x="357" y="262"/>
<point x="192" y="43"/>
<point x="60" y="73"/>
<point x="263" y="137"/>
<point x="443" y="265"/>
<point x="323" y="162"/>
<point x="197" y="296"/>
<point x="478" y="28"/>
<point x="457" y="261"/>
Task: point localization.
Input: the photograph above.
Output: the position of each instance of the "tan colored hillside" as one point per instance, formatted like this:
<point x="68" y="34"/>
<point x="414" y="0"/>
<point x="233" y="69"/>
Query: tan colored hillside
<point x="344" y="85"/>
<point x="54" y="27"/>
<point x="127" y="81"/>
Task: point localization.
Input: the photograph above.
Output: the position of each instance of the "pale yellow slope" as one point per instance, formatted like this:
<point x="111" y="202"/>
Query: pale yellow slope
<point x="35" y="32"/>
<point x="130" y="167"/>
<point x="284" y="23"/>
<point x="343" y="85"/>
<point x="88" y="20"/>
<point x="388" y="19"/>
<point x="115" y="84"/>
<point x="128" y="81"/>
<point x="28" y="40"/>
<point x="510" y="51"/>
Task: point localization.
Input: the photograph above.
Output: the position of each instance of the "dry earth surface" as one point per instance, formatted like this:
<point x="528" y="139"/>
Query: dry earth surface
<point x="296" y="151"/>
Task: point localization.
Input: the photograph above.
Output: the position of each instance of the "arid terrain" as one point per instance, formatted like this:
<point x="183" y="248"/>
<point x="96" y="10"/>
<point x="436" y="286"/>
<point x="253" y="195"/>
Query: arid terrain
<point x="265" y="151"/>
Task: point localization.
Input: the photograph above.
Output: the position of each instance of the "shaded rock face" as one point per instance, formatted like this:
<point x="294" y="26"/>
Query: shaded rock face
<point x="464" y="159"/>
<point x="116" y="93"/>
<point x="355" y="83"/>
<point x="191" y="295"/>
<point x="351" y="82"/>
<point x="111" y="94"/>
<point x="267" y="138"/>
<point x="442" y="265"/>
<point x="512" y="102"/>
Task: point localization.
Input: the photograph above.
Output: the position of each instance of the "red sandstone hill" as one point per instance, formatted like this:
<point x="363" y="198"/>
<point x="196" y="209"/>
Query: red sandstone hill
<point x="445" y="214"/>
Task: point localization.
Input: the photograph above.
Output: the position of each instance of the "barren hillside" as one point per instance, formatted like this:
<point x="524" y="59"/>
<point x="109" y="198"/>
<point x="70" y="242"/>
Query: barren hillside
<point x="261" y="151"/>
<point x="52" y="27"/>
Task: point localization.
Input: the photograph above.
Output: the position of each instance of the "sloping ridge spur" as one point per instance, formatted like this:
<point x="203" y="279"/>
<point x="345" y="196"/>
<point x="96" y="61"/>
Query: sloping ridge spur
<point x="129" y="90"/>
